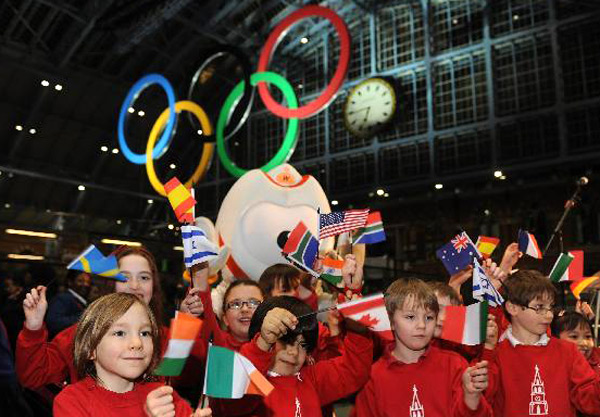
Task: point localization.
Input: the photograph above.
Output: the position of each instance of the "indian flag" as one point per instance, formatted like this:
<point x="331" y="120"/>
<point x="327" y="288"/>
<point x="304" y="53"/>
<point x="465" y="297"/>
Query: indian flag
<point x="486" y="245"/>
<point x="231" y="375"/>
<point x="466" y="325"/>
<point x="183" y="332"/>
<point x="332" y="270"/>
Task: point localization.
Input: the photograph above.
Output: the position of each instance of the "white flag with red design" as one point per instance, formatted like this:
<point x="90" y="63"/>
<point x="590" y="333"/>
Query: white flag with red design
<point x="369" y="311"/>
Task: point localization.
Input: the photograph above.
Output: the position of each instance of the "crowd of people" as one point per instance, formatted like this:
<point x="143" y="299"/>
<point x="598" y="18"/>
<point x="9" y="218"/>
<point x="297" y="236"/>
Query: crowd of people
<point x="79" y="357"/>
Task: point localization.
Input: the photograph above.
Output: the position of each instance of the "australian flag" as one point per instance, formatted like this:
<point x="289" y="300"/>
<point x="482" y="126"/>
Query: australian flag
<point x="458" y="253"/>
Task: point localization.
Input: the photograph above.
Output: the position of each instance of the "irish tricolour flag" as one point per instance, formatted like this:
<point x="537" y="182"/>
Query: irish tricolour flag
<point x="231" y="375"/>
<point x="183" y="332"/>
<point x="372" y="232"/>
<point x="332" y="270"/>
<point x="466" y="325"/>
<point x="369" y="311"/>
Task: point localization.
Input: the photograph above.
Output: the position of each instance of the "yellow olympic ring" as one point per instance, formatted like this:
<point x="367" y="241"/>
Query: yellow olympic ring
<point x="207" y="151"/>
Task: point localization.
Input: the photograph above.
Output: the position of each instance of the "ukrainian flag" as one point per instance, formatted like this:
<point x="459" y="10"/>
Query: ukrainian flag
<point x="93" y="262"/>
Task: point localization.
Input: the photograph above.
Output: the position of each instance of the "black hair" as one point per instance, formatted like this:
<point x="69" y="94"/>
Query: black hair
<point x="307" y="326"/>
<point x="245" y="282"/>
<point x="570" y="320"/>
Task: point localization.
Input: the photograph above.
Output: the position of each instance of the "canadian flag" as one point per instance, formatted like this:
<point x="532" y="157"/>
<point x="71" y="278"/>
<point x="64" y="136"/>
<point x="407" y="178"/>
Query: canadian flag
<point x="369" y="311"/>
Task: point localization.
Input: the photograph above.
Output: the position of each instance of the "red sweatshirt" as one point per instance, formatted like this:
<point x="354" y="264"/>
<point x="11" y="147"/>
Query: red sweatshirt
<point x="313" y="387"/>
<point x="431" y="387"/>
<point x="39" y="362"/>
<point x="551" y="380"/>
<point x="87" y="398"/>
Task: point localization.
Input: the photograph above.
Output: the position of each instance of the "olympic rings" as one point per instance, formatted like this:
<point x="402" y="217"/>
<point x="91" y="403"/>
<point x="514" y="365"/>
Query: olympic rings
<point x="291" y="136"/>
<point x="336" y="82"/>
<point x="207" y="150"/>
<point x="242" y="110"/>
<point x="134" y="92"/>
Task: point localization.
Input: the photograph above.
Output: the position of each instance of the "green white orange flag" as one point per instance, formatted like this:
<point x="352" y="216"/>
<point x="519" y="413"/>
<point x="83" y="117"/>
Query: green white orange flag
<point x="181" y="200"/>
<point x="332" y="270"/>
<point x="231" y="375"/>
<point x="182" y="334"/>
<point x="486" y="245"/>
<point x="466" y="325"/>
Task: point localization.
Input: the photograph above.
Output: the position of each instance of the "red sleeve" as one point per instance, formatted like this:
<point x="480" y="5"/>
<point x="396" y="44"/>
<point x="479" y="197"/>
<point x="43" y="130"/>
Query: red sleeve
<point x="585" y="384"/>
<point x="339" y="377"/>
<point x="259" y="358"/>
<point x="210" y="325"/>
<point x="459" y="408"/>
<point x="182" y="408"/>
<point x="494" y="393"/>
<point x="69" y="404"/>
<point x="366" y="402"/>
<point x="312" y="301"/>
<point x="328" y="346"/>
<point x="39" y="362"/>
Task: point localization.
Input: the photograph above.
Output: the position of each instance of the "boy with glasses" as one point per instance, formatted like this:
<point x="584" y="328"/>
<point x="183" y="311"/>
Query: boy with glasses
<point x="530" y="373"/>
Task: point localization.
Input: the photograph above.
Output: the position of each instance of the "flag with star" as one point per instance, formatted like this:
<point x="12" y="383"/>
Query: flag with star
<point x="457" y="254"/>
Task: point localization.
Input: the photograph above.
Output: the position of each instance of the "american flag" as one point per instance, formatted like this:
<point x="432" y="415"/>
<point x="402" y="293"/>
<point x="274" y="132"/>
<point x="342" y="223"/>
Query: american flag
<point x="333" y="224"/>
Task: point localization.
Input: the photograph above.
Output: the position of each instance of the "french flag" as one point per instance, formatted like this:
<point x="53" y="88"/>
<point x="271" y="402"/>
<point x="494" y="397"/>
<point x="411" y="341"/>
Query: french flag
<point x="528" y="244"/>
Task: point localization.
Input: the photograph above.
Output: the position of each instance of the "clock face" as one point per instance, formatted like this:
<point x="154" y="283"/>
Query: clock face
<point x="369" y="106"/>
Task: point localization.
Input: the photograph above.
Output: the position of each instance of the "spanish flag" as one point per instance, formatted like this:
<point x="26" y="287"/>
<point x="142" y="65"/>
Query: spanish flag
<point x="181" y="200"/>
<point x="486" y="245"/>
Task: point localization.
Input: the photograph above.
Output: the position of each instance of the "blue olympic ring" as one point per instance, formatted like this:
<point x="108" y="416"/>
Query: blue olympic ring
<point x="163" y="143"/>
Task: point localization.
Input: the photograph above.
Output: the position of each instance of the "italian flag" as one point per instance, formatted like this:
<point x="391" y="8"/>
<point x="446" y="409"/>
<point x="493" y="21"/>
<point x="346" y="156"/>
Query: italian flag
<point x="182" y="334"/>
<point x="369" y="311"/>
<point x="332" y="270"/>
<point x="466" y="325"/>
<point x="231" y="375"/>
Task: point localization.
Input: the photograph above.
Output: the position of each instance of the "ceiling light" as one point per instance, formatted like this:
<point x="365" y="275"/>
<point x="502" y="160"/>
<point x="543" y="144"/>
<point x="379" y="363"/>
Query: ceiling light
<point x="58" y="87"/>
<point x="131" y="110"/>
<point x="45" y="83"/>
<point x="104" y="148"/>
<point x="498" y="174"/>
<point x="30" y="233"/>
<point x="455" y="21"/>
<point x="119" y="221"/>
<point x="386" y="195"/>
<point x="120" y="242"/>
<point x="6" y="205"/>
<point x="503" y="177"/>
<point x="199" y="131"/>
<point x="516" y="17"/>
<point x="150" y="201"/>
<point x="141" y="113"/>
<point x="179" y="248"/>
<point x="304" y="40"/>
<point x="300" y="86"/>
<point x="380" y="192"/>
<point x="32" y="131"/>
<point x="25" y="257"/>
<point x="172" y="166"/>
<point x="334" y="202"/>
<point x="115" y="151"/>
<point x="19" y="127"/>
<point x="171" y="227"/>
<point x="439" y="186"/>
<point x="81" y="187"/>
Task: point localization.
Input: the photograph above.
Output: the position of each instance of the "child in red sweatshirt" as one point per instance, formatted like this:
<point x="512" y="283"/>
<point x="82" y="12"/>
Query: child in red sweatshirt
<point x="115" y="355"/>
<point x="530" y="373"/>
<point x="414" y="378"/>
<point x="284" y="332"/>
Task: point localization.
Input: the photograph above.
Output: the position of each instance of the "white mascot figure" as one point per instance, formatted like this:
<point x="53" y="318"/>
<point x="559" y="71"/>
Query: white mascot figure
<point x="258" y="213"/>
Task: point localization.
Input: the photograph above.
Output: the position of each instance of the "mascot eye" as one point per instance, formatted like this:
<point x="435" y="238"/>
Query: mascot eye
<point x="282" y="238"/>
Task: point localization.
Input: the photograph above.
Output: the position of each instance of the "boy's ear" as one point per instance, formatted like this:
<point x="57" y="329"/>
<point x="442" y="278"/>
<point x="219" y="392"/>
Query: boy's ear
<point x="512" y="309"/>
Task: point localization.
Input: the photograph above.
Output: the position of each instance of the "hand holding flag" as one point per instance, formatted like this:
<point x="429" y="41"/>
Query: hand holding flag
<point x="483" y="289"/>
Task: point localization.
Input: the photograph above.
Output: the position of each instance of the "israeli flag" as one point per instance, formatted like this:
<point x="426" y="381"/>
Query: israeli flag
<point x="197" y="248"/>
<point x="483" y="289"/>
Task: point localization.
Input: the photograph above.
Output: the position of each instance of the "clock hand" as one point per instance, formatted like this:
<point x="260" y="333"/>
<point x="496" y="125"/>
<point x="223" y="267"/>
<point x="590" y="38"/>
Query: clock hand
<point x="367" y="115"/>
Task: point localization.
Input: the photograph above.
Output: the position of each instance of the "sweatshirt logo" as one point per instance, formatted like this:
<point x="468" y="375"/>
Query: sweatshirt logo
<point x="416" y="408"/>
<point x="538" y="406"/>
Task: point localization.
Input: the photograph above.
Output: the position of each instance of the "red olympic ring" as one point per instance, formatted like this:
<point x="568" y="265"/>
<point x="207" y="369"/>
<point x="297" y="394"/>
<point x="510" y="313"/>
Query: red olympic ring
<point x="336" y="82"/>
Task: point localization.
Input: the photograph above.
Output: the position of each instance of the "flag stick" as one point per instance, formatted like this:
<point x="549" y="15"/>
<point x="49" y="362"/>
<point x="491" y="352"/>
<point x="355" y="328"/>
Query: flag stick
<point x="323" y="310"/>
